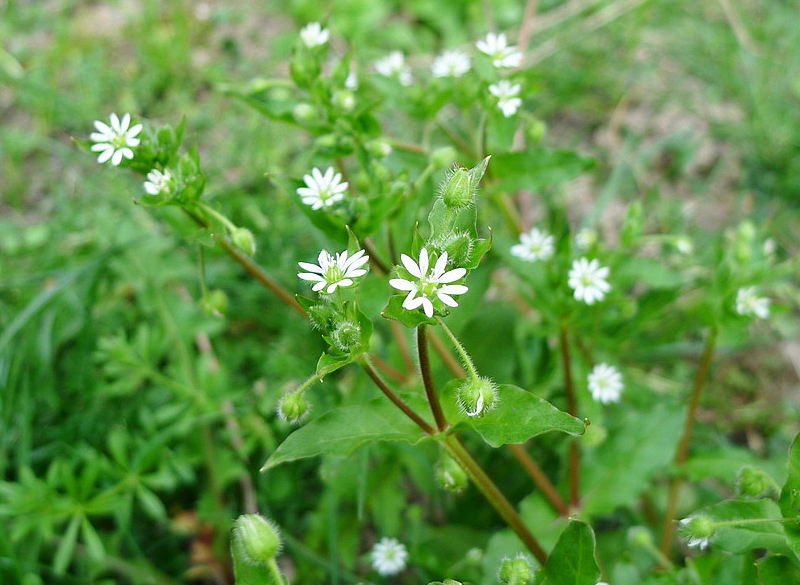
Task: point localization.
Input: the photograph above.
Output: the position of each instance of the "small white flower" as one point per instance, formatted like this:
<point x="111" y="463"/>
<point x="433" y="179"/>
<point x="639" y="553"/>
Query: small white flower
<point x="533" y="246"/>
<point x="351" y="82"/>
<point x="751" y="305"/>
<point x="698" y="531"/>
<point x="388" y="556"/>
<point x="394" y="65"/>
<point x="313" y="35"/>
<point x="605" y="383"/>
<point x="115" y="141"/>
<point x="322" y="190"/>
<point x="585" y="238"/>
<point x="334" y="272"/>
<point x="450" y="64"/>
<point x="684" y="245"/>
<point x="158" y="181"/>
<point x="588" y="280"/>
<point x="429" y="287"/>
<point x="506" y="95"/>
<point x="501" y="53"/>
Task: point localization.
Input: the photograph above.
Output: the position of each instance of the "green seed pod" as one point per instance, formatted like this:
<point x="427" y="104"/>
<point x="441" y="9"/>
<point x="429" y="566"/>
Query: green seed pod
<point x="698" y="530"/>
<point x="536" y="130"/>
<point x="476" y="396"/>
<point x="754" y="482"/>
<point x="346" y="336"/>
<point x="516" y="571"/>
<point x="293" y="407"/>
<point x="458" y="190"/>
<point x="215" y="303"/>
<point x="243" y="239"/>
<point x="255" y="538"/>
<point x="458" y="246"/>
<point x="450" y="475"/>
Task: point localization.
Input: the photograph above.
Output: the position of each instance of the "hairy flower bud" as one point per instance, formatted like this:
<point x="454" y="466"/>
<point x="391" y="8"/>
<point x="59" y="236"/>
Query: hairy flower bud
<point x="458" y="246"/>
<point x="516" y="571"/>
<point x="458" y="190"/>
<point x="243" y="239"/>
<point x="293" y="407"/>
<point x="640" y="536"/>
<point x="255" y="538"/>
<point x="379" y="148"/>
<point x="476" y="396"/>
<point x="698" y="530"/>
<point x="344" y="99"/>
<point x="450" y="474"/>
<point x="754" y="482"/>
<point x="303" y="112"/>
<point x="215" y="303"/>
<point x="346" y="336"/>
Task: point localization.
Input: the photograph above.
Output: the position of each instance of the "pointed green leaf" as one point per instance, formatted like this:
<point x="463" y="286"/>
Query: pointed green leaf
<point x="93" y="543"/>
<point x="519" y="415"/>
<point x="343" y="430"/>
<point x="777" y="569"/>
<point x="572" y="560"/>
<point x="66" y="546"/>
<point x="328" y="364"/>
<point x="790" y="497"/>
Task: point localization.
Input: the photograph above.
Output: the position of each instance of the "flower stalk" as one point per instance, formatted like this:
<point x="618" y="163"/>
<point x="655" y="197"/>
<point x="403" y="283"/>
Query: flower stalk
<point x="427" y="379"/>
<point x="572" y="408"/>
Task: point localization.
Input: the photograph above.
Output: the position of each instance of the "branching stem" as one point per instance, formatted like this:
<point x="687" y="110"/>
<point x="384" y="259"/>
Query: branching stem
<point x="427" y="379"/>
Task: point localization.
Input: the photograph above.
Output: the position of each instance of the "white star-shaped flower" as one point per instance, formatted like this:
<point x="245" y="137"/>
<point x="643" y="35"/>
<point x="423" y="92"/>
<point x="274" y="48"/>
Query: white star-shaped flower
<point x="429" y="286"/>
<point x="588" y="280"/>
<point x="116" y="141"/>
<point x="313" y="35"/>
<point x="506" y="95"/>
<point x="533" y="246"/>
<point x="322" y="190"/>
<point x="394" y="65"/>
<point x="605" y="383"/>
<point x="388" y="556"/>
<point x="450" y="64"/>
<point x="333" y="272"/>
<point x="751" y="305"/>
<point x="502" y="54"/>
<point x="158" y="181"/>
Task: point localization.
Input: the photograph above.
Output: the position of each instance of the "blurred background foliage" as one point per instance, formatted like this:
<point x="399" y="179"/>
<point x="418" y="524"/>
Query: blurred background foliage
<point x="132" y="425"/>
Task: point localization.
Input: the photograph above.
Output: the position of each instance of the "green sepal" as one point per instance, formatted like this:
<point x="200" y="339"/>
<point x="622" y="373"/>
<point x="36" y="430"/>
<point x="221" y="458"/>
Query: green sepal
<point x="394" y="310"/>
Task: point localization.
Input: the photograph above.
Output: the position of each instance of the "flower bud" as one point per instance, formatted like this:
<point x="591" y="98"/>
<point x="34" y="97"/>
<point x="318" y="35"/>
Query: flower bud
<point x="476" y="396"/>
<point x="326" y="142"/>
<point x="536" y="130"/>
<point x="303" y="112"/>
<point x="344" y="99"/>
<point x="346" y="336"/>
<point x="450" y="474"/>
<point x="743" y="246"/>
<point x="320" y="316"/>
<point x="255" y="538"/>
<point x="458" y="190"/>
<point x="293" y="407"/>
<point x="698" y="530"/>
<point x="684" y="245"/>
<point x="443" y="157"/>
<point x="243" y="239"/>
<point x="379" y="148"/>
<point x="215" y="303"/>
<point x="516" y="571"/>
<point x="640" y="536"/>
<point x="753" y="482"/>
<point x="458" y="246"/>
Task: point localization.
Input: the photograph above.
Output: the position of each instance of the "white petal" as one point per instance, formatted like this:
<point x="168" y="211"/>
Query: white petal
<point x="454" y="289"/>
<point x="423" y="263"/>
<point x="427" y="306"/>
<point x="101" y="146"/>
<point x="411" y="266"/>
<point x="310" y="276"/>
<point x="401" y="284"/>
<point x="447" y="299"/>
<point x="319" y="286"/>
<point x="412" y="302"/>
<point x="106" y="154"/>
<point x="441" y="264"/>
<point x="453" y="275"/>
<point x="103" y="128"/>
<point x="116" y="158"/>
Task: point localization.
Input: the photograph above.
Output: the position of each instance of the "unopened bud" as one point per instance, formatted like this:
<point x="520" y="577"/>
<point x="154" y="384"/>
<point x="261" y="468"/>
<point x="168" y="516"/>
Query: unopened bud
<point x="303" y="112"/>
<point x="215" y="303"/>
<point x="753" y="482"/>
<point x="450" y="474"/>
<point x="458" y="191"/>
<point x="458" y="246"/>
<point x="379" y="148"/>
<point x="536" y="130"/>
<point x="698" y="530"/>
<point x="476" y="396"/>
<point x="256" y="539"/>
<point x="743" y="246"/>
<point x="243" y="239"/>
<point x="640" y="536"/>
<point x="344" y="99"/>
<point x="293" y="407"/>
<point x="515" y="571"/>
<point x="346" y="336"/>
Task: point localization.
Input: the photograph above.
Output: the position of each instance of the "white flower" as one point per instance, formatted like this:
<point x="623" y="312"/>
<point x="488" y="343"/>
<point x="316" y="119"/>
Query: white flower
<point x="605" y="383"/>
<point x="698" y="530"/>
<point x="394" y="65"/>
<point x="351" y="82"/>
<point x="158" y="181"/>
<point x="588" y="280"/>
<point x="388" y="556"/>
<point x="450" y="64"/>
<point x="333" y="272"/>
<point x="429" y="287"/>
<point x="116" y="141"/>
<point x="586" y="238"/>
<point x="501" y="53"/>
<point x="313" y="35"/>
<point x="506" y="95"/>
<point x="322" y="190"/>
<point x="750" y="305"/>
<point x="684" y="245"/>
<point x="533" y="246"/>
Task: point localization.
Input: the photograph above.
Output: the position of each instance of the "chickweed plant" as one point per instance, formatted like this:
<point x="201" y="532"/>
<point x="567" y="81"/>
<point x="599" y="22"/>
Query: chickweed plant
<point x="502" y="356"/>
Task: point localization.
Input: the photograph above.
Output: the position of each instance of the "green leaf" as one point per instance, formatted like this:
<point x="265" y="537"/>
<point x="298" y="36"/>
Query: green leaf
<point x="93" y="543"/>
<point x="743" y="538"/>
<point x="537" y="168"/>
<point x="67" y="546"/>
<point x="151" y="503"/>
<point x="777" y="569"/>
<point x="520" y="415"/>
<point x="789" y="501"/>
<point x="572" y="560"/>
<point x="394" y="310"/>
<point x="328" y="364"/>
<point x="343" y="430"/>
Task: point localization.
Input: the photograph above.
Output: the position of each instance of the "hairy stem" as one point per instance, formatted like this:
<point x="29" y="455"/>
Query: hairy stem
<point x="427" y="379"/>
<point x="465" y="359"/>
<point x="572" y="408"/>
<point x="683" y="447"/>
<point x="396" y="400"/>
<point x="445" y="355"/>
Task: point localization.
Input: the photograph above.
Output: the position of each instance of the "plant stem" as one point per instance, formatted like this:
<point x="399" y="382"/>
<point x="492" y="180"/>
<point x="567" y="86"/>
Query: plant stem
<point x="396" y="400"/>
<point x="683" y="447"/>
<point x="389" y="370"/>
<point x="495" y="497"/>
<point x="427" y="379"/>
<point x="402" y="344"/>
<point x="448" y="359"/>
<point x="379" y="264"/>
<point x="541" y="480"/>
<point x="572" y="408"/>
<point x="467" y="361"/>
